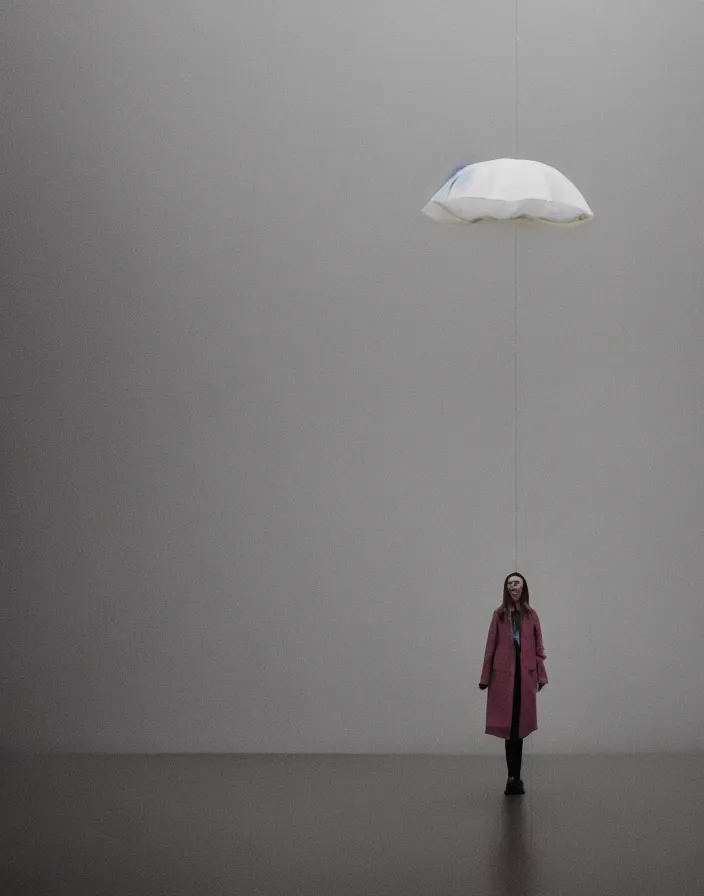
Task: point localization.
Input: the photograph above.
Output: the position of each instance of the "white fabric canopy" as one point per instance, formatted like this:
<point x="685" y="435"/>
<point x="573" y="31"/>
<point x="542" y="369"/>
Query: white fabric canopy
<point x="504" y="189"/>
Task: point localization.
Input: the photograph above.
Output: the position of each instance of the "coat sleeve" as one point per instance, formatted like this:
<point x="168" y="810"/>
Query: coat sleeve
<point x="489" y="652"/>
<point x="540" y="654"/>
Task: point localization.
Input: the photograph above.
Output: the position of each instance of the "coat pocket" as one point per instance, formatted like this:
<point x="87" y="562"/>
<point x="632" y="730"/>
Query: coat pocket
<point x="502" y="677"/>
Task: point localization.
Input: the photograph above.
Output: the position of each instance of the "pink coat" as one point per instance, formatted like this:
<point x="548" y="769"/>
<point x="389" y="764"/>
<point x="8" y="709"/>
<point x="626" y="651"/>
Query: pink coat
<point x="499" y="669"/>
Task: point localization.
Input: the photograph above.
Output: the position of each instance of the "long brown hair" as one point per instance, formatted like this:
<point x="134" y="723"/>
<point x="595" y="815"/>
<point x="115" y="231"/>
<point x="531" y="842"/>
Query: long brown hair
<point x="524" y="602"/>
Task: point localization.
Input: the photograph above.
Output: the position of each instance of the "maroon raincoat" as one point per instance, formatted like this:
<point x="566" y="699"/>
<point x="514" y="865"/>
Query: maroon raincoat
<point x="499" y="669"/>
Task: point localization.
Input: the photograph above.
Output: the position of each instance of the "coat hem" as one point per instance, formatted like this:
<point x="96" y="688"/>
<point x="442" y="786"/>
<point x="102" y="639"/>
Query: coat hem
<point x="505" y="733"/>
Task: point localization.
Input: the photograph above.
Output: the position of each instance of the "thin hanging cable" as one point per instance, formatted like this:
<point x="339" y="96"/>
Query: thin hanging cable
<point x="515" y="319"/>
<point x="515" y="396"/>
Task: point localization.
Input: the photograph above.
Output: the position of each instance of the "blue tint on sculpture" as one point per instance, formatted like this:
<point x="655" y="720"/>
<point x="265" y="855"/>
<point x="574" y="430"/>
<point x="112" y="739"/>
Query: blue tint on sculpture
<point x="457" y="175"/>
<point x="457" y="171"/>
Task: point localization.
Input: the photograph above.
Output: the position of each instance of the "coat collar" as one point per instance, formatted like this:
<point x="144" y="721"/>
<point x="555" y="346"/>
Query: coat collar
<point x="504" y="614"/>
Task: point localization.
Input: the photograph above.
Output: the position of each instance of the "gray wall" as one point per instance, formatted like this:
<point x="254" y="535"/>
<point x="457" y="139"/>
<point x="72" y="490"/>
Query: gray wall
<point x="258" y="429"/>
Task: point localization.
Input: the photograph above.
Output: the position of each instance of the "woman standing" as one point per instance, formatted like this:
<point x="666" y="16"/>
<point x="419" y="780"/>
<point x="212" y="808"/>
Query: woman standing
<point x="514" y="671"/>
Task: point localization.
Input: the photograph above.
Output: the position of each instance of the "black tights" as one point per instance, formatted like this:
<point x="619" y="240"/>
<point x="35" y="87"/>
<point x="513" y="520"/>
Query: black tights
<point x="514" y="744"/>
<point x="514" y="755"/>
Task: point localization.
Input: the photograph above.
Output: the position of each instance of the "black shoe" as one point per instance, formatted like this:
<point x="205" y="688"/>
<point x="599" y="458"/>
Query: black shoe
<point x="521" y="788"/>
<point x="512" y="786"/>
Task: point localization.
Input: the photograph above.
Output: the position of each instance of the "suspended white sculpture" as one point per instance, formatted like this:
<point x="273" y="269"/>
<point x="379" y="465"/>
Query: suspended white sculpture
<point x="505" y="189"/>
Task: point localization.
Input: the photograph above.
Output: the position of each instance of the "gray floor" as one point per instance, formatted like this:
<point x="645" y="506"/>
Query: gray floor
<point x="372" y="825"/>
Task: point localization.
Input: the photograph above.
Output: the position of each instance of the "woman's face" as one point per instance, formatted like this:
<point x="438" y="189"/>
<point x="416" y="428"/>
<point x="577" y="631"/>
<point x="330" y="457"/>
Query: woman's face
<point x="515" y="588"/>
